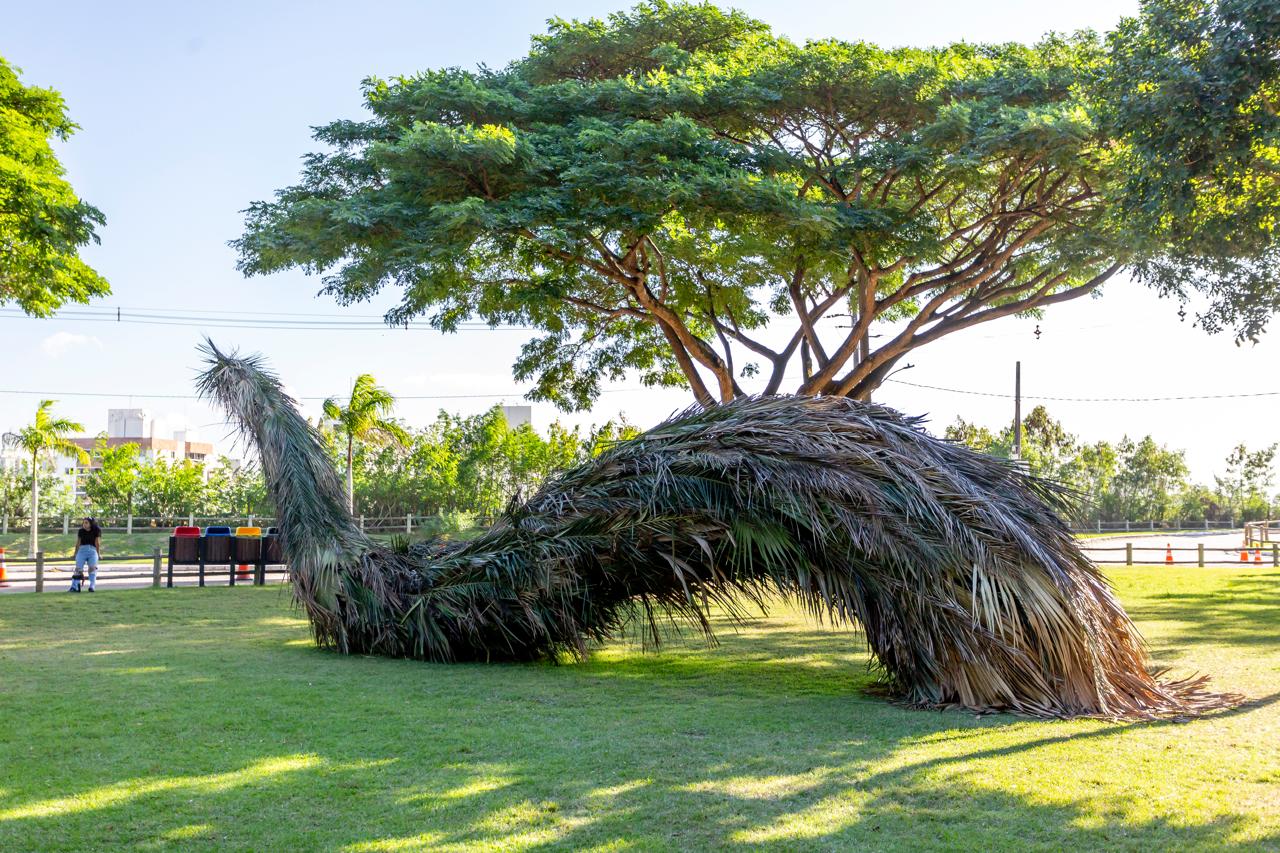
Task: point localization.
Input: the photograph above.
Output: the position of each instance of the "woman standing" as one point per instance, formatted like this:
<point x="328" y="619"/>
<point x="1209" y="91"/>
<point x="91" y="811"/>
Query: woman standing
<point x="88" y="546"/>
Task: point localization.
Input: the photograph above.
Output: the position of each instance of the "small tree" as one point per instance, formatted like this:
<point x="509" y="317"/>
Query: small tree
<point x="170" y="490"/>
<point x="1244" y="486"/>
<point x="235" y="489"/>
<point x="111" y="487"/>
<point x="46" y="435"/>
<point x="365" y="419"/>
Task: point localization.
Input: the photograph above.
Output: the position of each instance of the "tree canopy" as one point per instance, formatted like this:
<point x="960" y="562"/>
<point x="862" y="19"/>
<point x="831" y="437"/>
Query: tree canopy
<point x="678" y="192"/>
<point x="43" y="223"/>
<point x="1190" y="94"/>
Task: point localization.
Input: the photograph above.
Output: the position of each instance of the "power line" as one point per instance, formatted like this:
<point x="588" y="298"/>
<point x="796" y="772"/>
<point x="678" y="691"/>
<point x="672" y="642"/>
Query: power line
<point x="515" y="392"/>
<point x="1089" y="399"/>
<point x="512" y="393"/>
<point x="203" y="318"/>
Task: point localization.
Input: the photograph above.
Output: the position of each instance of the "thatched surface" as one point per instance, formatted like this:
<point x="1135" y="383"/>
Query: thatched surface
<point x="971" y="591"/>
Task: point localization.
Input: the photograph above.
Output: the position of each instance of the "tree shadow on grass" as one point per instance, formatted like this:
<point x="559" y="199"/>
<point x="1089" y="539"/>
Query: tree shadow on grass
<point x="1242" y="611"/>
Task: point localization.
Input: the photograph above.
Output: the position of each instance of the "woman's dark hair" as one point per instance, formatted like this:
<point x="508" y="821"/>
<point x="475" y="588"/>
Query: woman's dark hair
<point x="93" y="525"/>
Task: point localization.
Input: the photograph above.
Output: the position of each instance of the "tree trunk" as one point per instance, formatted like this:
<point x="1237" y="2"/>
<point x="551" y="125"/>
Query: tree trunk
<point x="351" y="488"/>
<point x="35" y="506"/>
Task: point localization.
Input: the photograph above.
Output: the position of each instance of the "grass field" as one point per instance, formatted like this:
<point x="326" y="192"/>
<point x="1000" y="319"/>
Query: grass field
<point x="204" y="719"/>
<point x="55" y="545"/>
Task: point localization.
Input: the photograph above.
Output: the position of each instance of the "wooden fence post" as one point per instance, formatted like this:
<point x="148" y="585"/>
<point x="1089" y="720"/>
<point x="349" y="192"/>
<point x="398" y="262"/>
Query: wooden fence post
<point x="362" y="524"/>
<point x="128" y="527"/>
<point x="408" y="523"/>
<point x="1275" y="553"/>
<point x="155" y="567"/>
<point x="1128" y="553"/>
<point x="39" y="571"/>
<point x="1200" y="554"/>
<point x="5" y="528"/>
<point x="66" y="523"/>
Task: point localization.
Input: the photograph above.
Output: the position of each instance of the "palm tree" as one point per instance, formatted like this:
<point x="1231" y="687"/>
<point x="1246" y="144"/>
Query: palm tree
<point x="364" y="419"/>
<point x="970" y="590"/>
<point x="45" y="435"/>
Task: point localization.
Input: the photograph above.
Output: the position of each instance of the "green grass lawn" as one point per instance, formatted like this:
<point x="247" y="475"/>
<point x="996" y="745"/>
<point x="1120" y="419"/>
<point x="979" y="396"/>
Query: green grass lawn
<point x="204" y="719"/>
<point x="56" y="546"/>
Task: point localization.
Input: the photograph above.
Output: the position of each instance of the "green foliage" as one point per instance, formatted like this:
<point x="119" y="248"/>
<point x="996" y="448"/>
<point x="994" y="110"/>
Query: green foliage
<point x="365" y="418"/>
<point x="1131" y="480"/>
<point x="1244" y="486"/>
<point x="233" y="489"/>
<point x="170" y="489"/>
<point x="1147" y="482"/>
<point x="647" y="189"/>
<point x="42" y="222"/>
<point x="1190" y="94"/>
<point x="15" y="489"/>
<point x="47" y="435"/>
<point x="112" y="485"/>
<point x="55" y="497"/>
<point x="470" y="465"/>
<point x="652" y="190"/>
<point x="43" y="438"/>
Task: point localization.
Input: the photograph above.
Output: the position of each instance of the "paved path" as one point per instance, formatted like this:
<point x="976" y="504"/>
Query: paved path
<point x="21" y="578"/>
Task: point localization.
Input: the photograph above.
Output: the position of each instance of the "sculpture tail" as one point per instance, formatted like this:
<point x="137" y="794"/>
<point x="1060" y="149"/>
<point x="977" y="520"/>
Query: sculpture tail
<point x="332" y="563"/>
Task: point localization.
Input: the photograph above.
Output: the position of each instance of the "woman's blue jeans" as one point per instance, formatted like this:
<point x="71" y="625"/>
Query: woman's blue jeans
<point x="86" y="555"/>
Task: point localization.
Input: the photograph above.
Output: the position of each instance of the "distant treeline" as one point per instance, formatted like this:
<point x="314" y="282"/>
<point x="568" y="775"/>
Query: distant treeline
<point x="1134" y="480"/>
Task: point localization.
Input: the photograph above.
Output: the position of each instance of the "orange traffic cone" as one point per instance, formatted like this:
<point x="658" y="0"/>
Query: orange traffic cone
<point x="1244" y="555"/>
<point x="1257" y="555"/>
<point x="1168" y="553"/>
<point x="3" y="582"/>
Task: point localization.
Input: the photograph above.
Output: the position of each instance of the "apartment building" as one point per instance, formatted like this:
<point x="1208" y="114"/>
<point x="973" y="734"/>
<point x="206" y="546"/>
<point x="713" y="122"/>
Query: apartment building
<point x="133" y="426"/>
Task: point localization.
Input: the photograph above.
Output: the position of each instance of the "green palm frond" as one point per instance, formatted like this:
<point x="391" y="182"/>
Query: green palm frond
<point x="47" y="434"/>
<point x="365" y="415"/>
<point x="970" y="589"/>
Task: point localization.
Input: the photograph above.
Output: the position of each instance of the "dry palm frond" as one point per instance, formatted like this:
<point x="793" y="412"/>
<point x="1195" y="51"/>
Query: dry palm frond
<point x="971" y="591"/>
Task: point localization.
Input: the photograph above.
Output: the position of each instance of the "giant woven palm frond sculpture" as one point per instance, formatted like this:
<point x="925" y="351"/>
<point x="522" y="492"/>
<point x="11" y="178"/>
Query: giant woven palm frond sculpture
<point x="971" y="591"/>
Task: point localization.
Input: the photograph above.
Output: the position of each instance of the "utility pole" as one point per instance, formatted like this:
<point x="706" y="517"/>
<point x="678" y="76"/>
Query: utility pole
<point x="1017" y="410"/>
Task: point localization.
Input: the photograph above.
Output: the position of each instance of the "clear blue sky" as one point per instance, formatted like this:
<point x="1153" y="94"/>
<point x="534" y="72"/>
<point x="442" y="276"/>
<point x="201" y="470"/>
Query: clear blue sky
<point x="191" y="111"/>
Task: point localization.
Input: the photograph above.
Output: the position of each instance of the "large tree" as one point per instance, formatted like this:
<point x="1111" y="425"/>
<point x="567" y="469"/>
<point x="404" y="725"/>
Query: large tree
<point x="678" y="192"/>
<point x="43" y="224"/>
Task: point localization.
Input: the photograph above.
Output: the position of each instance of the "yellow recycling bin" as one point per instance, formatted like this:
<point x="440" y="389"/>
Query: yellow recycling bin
<point x="254" y="533"/>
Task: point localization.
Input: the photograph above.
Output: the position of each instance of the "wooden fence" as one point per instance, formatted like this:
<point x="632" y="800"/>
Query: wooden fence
<point x="1128" y="554"/>
<point x="1261" y="533"/>
<point x="33" y="575"/>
